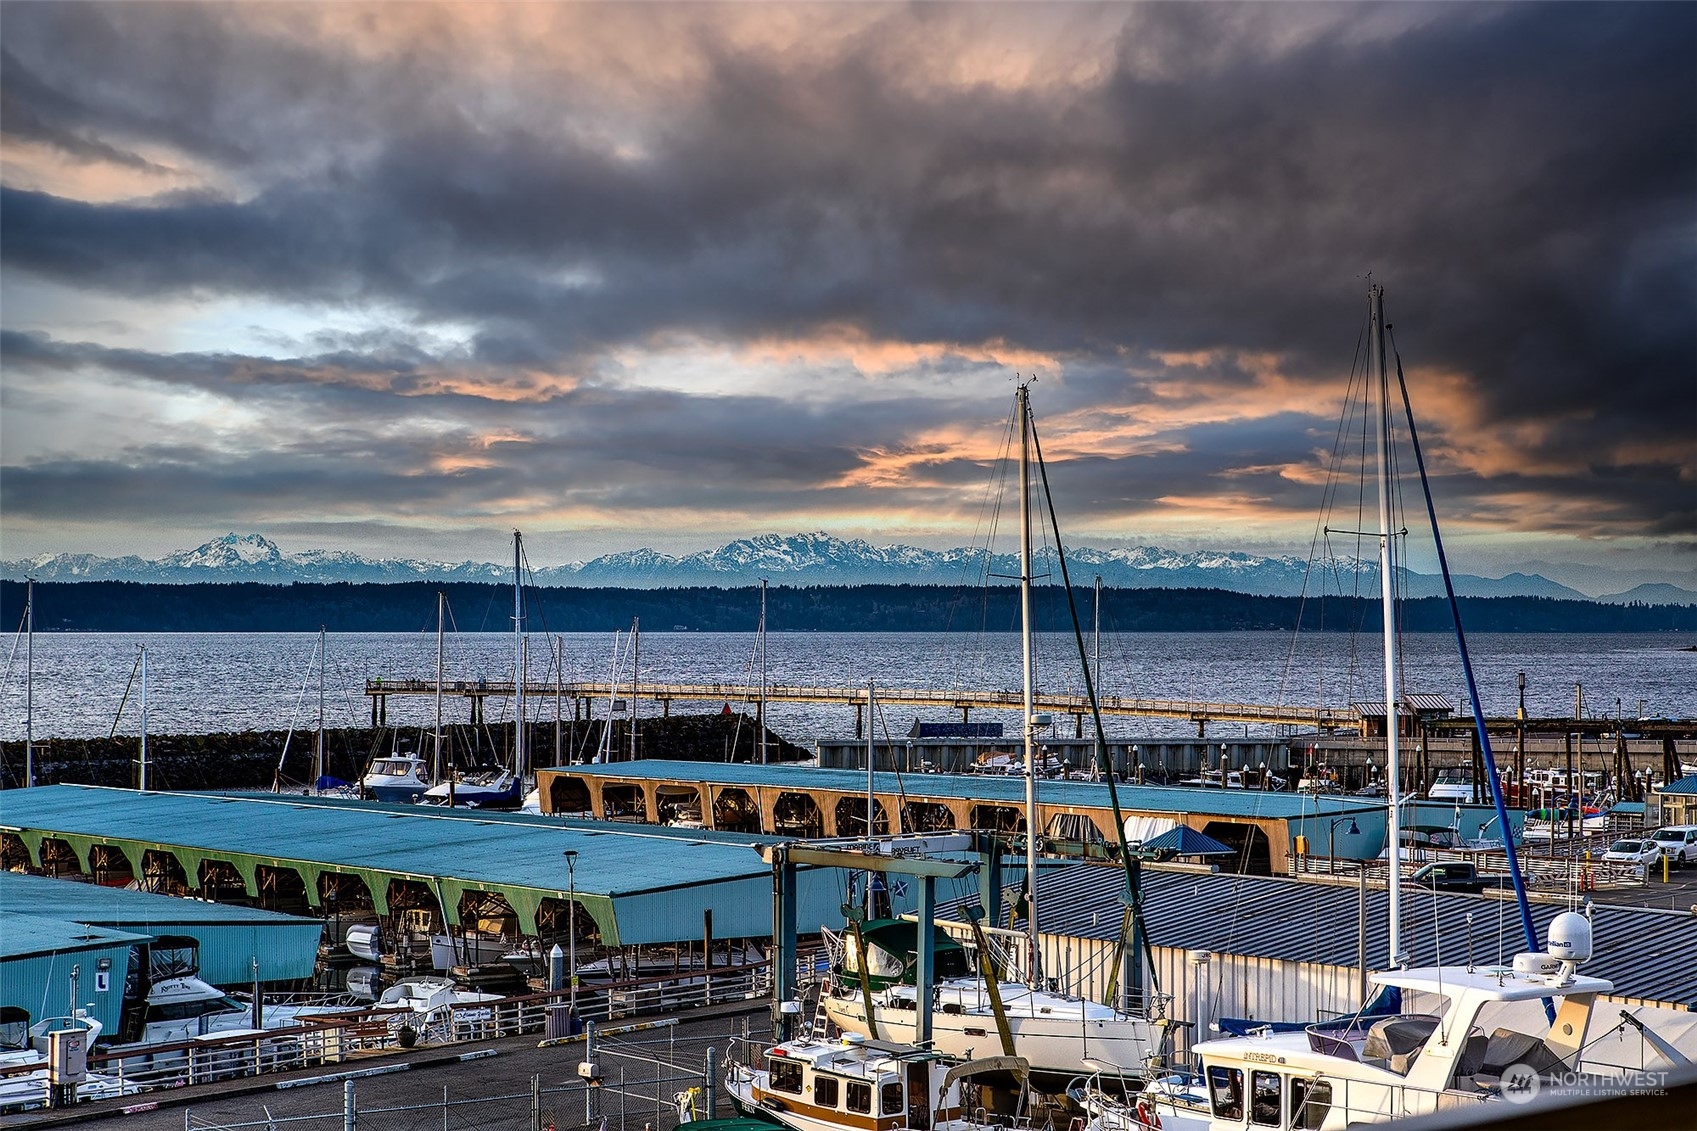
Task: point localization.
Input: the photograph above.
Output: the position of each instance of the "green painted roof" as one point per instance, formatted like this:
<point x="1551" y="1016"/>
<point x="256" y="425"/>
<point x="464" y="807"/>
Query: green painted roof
<point x="27" y="935"/>
<point x="997" y="788"/>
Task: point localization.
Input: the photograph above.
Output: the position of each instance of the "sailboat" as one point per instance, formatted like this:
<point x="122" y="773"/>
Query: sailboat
<point x="1057" y="1034"/>
<point x="502" y="788"/>
<point x="1463" y="1035"/>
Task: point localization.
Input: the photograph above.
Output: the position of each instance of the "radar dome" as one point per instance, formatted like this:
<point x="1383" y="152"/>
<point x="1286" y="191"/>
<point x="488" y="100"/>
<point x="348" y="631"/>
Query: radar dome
<point x="1570" y="937"/>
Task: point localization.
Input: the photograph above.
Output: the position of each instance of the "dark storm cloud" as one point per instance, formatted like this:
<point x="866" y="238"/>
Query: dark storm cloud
<point x="1522" y="178"/>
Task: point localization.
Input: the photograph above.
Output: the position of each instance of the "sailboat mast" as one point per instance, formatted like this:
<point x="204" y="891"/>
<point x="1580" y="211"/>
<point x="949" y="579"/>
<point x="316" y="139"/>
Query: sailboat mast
<point x="518" y="658"/>
<point x="871" y="730"/>
<point x="318" y="742"/>
<point x="441" y="610"/>
<point x="143" y="774"/>
<point x="29" y="681"/>
<point x="1096" y="635"/>
<point x="1387" y="592"/>
<point x="635" y="661"/>
<point x="1027" y="679"/>
<point x="761" y="719"/>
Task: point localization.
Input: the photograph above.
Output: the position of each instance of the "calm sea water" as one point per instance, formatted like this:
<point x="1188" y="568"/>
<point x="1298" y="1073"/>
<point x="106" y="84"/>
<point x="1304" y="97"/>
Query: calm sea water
<point x="203" y="683"/>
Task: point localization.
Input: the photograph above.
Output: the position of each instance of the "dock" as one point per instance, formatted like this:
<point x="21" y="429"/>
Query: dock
<point x="582" y="693"/>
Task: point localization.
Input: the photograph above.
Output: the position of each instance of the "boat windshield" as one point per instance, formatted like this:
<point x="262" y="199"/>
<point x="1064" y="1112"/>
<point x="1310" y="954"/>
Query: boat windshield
<point x="188" y="1010"/>
<point x="394" y="767"/>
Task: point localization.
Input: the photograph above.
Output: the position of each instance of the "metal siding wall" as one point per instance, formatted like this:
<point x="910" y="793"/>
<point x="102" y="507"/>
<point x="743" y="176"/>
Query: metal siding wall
<point x="285" y="952"/>
<point x="42" y="984"/>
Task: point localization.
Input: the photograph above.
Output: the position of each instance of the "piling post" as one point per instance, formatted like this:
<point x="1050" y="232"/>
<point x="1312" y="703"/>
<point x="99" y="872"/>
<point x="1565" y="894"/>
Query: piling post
<point x="536" y="1103"/>
<point x="710" y="1085"/>
<point x="350" y="1116"/>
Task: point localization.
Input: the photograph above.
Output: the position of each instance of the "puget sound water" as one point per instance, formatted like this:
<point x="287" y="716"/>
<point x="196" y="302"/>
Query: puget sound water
<point x="219" y="682"/>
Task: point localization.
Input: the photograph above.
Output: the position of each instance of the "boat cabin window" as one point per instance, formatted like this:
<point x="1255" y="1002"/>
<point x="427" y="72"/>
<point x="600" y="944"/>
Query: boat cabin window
<point x="1266" y="1099"/>
<point x="188" y="1010"/>
<point x="890" y="1098"/>
<point x="785" y="1076"/>
<point x="1225" y="1092"/>
<point x="825" y="1091"/>
<point x="860" y="1097"/>
<point x="1310" y="1100"/>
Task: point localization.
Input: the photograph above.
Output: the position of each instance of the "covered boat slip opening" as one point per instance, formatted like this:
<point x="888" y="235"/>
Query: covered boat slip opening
<point x="1077" y="817"/>
<point x="523" y="876"/>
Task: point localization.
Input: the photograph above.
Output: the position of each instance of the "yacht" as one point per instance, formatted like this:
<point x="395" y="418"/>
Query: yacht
<point x="396" y="778"/>
<point x="1464" y="1035"/>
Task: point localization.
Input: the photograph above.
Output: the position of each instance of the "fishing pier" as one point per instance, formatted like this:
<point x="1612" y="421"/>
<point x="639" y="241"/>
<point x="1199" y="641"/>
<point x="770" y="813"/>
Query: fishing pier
<point x="581" y="694"/>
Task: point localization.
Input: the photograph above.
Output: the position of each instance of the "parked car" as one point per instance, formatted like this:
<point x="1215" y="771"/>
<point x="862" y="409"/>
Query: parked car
<point x="1678" y="842"/>
<point x="1642" y="852"/>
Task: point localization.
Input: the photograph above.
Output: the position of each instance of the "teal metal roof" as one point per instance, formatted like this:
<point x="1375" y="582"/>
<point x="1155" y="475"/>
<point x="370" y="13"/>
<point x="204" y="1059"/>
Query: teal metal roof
<point x="997" y="788"/>
<point x="641" y="884"/>
<point x="231" y="936"/>
<point x="1686" y="784"/>
<point x="124" y="909"/>
<point x="38" y="954"/>
<point x="28" y="934"/>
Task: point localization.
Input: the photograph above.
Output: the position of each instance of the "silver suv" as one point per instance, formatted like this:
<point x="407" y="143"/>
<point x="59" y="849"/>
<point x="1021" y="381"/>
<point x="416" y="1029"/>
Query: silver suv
<point x="1679" y="843"/>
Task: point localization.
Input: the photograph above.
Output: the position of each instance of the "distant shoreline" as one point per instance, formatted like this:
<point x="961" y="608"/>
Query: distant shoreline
<point x="117" y="606"/>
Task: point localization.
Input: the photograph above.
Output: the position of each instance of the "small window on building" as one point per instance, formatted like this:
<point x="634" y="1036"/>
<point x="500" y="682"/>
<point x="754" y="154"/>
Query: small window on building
<point x="1266" y="1101"/>
<point x="890" y="1098"/>
<point x="785" y="1076"/>
<point x="1310" y="1100"/>
<point x="1225" y="1092"/>
<point x="860" y="1097"/>
<point x="825" y="1091"/>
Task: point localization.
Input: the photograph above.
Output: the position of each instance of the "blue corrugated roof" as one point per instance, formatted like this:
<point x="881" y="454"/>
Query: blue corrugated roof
<point x="1686" y="784"/>
<point x="1647" y="952"/>
<point x="987" y="787"/>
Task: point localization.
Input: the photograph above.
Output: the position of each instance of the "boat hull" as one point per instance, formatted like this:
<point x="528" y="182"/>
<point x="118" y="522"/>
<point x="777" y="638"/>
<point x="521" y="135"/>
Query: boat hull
<point x="1054" y="1046"/>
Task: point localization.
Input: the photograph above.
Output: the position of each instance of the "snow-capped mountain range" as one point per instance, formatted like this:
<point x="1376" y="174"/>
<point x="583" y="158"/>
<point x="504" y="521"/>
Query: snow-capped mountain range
<point x="800" y="559"/>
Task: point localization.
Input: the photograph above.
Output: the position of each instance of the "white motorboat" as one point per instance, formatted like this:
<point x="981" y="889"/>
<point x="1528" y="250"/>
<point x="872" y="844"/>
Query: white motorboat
<point x="24" y="1083"/>
<point x="1466" y="1035"/>
<point x="467" y="949"/>
<point x="487" y="789"/>
<point x="399" y="778"/>
<point x="438" y="1009"/>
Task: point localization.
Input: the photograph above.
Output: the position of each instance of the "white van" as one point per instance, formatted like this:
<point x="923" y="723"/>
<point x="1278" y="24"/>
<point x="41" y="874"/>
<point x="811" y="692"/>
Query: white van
<point x="1679" y="843"/>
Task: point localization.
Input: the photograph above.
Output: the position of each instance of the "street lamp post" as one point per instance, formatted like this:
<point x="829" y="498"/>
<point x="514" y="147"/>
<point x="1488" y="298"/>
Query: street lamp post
<point x="571" y="926"/>
<point x="1331" y="831"/>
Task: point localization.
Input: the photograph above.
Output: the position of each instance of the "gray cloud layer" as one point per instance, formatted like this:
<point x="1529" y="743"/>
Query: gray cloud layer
<point x="1523" y="178"/>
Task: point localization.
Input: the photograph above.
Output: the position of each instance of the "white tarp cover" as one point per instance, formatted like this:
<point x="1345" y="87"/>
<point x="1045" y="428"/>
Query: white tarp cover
<point x="1141" y="829"/>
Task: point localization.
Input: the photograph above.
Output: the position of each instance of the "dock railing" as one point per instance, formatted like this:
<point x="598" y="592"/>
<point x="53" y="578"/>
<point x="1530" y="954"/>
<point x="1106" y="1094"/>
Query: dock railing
<point x="332" y="1039"/>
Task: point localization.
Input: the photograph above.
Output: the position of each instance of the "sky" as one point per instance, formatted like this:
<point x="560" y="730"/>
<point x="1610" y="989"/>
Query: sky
<point x="400" y="278"/>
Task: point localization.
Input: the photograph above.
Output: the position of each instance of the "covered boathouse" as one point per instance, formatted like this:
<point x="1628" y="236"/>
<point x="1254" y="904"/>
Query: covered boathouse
<point x="457" y="867"/>
<point x="809" y="802"/>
